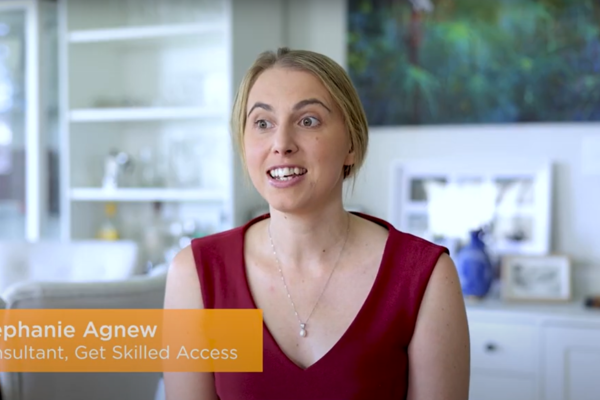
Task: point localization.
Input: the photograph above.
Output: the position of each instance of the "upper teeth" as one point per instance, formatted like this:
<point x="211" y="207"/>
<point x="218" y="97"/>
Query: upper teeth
<point x="281" y="172"/>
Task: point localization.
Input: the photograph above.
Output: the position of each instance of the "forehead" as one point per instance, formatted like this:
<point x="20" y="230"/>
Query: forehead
<point x="286" y="86"/>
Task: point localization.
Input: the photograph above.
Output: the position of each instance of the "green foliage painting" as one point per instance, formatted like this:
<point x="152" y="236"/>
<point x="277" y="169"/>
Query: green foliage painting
<point x="475" y="61"/>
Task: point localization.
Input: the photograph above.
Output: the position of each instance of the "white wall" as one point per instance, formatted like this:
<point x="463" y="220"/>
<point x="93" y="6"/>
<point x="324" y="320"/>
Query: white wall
<point x="576" y="202"/>
<point x="258" y="25"/>
<point x="321" y="26"/>
<point x="318" y="25"/>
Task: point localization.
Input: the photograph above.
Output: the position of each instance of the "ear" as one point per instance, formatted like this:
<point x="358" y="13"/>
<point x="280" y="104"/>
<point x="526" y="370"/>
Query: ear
<point x="350" y="157"/>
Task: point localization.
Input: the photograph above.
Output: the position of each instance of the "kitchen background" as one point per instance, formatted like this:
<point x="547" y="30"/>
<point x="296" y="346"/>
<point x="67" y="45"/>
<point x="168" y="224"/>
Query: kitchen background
<point x="114" y="126"/>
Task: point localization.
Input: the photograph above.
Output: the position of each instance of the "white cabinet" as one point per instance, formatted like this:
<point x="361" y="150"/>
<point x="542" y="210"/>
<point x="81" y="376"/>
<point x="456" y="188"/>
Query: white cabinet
<point x="152" y="83"/>
<point x="495" y="386"/>
<point x="503" y="360"/>
<point x="534" y="352"/>
<point x="572" y="363"/>
<point x="507" y="347"/>
<point x="29" y="150"/>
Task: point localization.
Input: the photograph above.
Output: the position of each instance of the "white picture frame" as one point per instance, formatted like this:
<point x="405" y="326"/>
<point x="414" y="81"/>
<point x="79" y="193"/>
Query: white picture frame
<point x="408" y="210"/>
<point x="537" y="278"/>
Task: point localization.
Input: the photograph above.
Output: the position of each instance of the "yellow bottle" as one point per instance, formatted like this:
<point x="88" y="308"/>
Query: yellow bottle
<point x="108" y="230"/>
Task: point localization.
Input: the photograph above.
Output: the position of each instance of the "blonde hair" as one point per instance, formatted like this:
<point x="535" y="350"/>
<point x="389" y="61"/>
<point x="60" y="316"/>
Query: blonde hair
<point x="334" y="78"/>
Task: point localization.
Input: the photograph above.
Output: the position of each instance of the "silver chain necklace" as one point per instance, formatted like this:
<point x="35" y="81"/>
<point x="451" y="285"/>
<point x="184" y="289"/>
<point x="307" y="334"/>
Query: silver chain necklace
<point x="303" y="329"/>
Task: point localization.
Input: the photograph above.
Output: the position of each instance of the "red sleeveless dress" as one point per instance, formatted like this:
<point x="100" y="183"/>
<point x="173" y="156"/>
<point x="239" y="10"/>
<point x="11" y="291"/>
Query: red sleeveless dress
<point x="370" y="361"/>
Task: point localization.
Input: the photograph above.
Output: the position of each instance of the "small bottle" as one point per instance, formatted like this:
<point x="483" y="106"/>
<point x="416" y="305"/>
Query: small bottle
<point x="146" y="168"/>
<point x="108" y="230"/>
<point x="154" y="238"/>
<point x="592" y="302"/>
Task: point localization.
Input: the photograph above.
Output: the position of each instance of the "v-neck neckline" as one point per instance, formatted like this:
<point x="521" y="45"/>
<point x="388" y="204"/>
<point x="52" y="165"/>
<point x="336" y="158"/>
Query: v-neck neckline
<point x="359" y="315"/>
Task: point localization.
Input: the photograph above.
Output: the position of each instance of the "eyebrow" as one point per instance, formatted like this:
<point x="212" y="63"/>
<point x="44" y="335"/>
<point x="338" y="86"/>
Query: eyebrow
<point x="307" y="102"/>
<point x="260" y="105"/>
<point x="301" y="104"/>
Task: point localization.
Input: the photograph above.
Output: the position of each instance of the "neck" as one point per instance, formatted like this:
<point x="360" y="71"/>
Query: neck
<point x="310" y="240"/>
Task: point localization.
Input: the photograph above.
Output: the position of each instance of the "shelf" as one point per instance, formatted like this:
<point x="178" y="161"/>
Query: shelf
<point x="146" y="195"/>
<point x="141" y="114"/>
<point x="421" y="207"/>
<point x="144" y="32"/>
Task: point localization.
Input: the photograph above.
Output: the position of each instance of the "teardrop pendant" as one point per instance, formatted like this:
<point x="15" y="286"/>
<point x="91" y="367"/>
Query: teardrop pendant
<point x="303" y="332"/>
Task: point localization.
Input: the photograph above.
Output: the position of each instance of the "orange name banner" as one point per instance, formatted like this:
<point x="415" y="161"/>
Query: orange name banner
<point x="131" y="340"/>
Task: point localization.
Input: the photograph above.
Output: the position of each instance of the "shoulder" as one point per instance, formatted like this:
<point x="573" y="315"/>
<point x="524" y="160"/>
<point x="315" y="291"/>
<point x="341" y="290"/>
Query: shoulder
<point x="443" y="291"/>
<point x="223" y="238"/>
<point x="444" y="273"/>
<point x="183" y="289"/>
<point x="402" y="241"/>
<point x="370" y="228"/>
<point x="416" y="247"/>
<point x="420" y="260"/>
<point x="440" y="347"/>
<point x="443" y="294"/>
<point x="209" y="249"/>
<point x="193" y="263"/>
<point x="417" y="241"/>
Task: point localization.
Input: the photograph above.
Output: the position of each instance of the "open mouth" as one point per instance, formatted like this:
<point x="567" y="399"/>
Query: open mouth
<point x="285" y="174"/>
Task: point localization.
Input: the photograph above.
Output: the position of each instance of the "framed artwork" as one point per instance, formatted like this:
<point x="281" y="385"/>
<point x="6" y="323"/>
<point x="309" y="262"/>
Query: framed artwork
<point x="535" y="278"/>
<point x="432" y="62"/>
<point x="516" y="213"/>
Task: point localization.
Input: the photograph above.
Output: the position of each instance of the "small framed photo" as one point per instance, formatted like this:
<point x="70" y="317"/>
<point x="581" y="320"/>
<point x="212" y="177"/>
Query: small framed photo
<point x="536" y="278"/>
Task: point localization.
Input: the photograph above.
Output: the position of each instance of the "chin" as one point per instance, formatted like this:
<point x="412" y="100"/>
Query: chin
<point x="284" y="206"/>
<point x="287" y="202"/>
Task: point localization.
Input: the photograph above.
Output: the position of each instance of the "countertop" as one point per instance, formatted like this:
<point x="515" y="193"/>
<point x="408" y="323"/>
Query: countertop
<point x="571" y="312"/>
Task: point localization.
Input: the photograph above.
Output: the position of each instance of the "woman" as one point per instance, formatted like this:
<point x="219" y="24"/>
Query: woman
<point x="353" y="308"/>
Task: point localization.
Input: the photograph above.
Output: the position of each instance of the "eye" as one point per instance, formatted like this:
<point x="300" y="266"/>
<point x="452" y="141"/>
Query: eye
<point x="309" y="122"/>
<point x="263" y="124"/>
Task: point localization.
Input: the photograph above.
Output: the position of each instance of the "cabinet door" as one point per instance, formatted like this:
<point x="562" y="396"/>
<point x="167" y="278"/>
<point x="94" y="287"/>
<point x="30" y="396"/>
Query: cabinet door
<point x="572" y="364"/>
<point x="497" y="387"/>
<point x="503" y="361"/>
<point x="13" y="138"/>
<point x="28" y="121"/>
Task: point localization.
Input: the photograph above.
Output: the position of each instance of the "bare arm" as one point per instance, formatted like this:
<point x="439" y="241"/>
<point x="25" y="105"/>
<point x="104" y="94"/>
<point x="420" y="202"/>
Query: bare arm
<point x="439" y="354"/>
<point x="183" y="292"/>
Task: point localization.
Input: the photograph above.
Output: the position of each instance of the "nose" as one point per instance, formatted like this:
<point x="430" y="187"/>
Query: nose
<point x="283" y="141"/>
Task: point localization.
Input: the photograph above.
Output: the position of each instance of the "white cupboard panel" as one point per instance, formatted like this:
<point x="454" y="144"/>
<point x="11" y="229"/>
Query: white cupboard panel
<point x="493" y="387"/>
<point x="572" y="364"/>
<point x="503" y="347"/>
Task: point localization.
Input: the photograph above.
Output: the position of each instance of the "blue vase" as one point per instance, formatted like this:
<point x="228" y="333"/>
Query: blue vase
<point x="474" y="267"/>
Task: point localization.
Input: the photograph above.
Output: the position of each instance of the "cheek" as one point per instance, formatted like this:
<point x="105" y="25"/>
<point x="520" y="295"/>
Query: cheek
<point x="253" y="153"/>
<point x="327" y="153"/>
<point x="252" y="160"/>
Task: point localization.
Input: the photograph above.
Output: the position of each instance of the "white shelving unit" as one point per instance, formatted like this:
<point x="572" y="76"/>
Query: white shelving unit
<point x="144" y="194"/>
<point x="157" y="77"/>
<point x="144" y="32"/>
<point x="142" y="114"/>
<point x="28" y="122"/>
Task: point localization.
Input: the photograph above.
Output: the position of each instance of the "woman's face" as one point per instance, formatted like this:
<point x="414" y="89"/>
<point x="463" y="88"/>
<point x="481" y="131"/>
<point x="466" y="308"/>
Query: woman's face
<point x="295" y="140"/>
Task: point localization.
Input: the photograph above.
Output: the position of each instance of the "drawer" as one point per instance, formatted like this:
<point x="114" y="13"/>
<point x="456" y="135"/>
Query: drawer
<point x="490" y="387"/>
<point x="503" y="347"/>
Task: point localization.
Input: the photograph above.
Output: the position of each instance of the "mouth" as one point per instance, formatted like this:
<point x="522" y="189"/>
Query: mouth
<point x="286" y="173"/>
